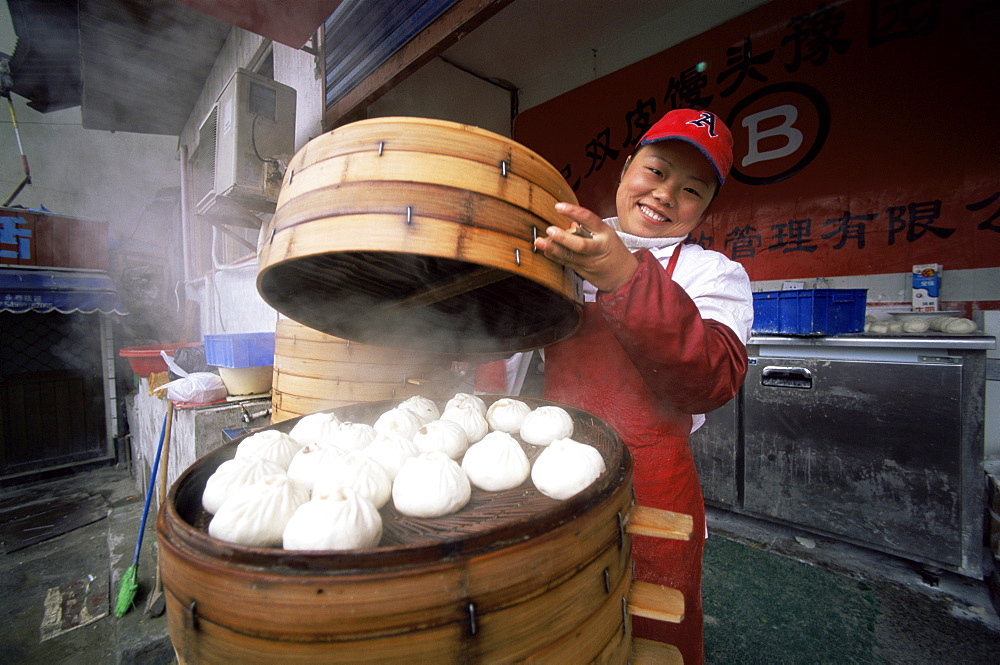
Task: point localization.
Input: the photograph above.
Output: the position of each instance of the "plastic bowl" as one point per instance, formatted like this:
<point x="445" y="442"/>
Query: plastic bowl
<point x="247" y="380"/>
<point x="146" y="360"/>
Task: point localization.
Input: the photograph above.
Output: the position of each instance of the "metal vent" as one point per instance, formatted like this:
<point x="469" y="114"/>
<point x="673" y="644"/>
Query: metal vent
<point x="203" y="160"/>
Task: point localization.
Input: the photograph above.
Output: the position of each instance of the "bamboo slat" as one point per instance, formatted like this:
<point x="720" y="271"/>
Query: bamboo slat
<point x="654" y="601"/>
<point x="200" y="641"/>
<point x="430" y="136"/>
<point x="421" y="235"/>
<point x="350" y="390"/>
<point x="337" y="371"/>
<point x="299" y="405"/>
<point x="444" y="171"/>
<point x="646" y="521"/>
<point x="294" y="340"/>
<point x="648" y="652"/>
<point x="606" y="633"/>
<point x="338" y="199"/>
<point x="280" y="415"/>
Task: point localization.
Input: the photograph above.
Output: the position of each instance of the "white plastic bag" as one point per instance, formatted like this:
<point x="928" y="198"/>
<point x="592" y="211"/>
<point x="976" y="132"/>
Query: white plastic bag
<point x="171" y="365"/>
<point x="196" y="388"/>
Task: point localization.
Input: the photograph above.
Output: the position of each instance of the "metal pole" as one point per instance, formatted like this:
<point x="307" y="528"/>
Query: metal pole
<point x="24" y="159"/>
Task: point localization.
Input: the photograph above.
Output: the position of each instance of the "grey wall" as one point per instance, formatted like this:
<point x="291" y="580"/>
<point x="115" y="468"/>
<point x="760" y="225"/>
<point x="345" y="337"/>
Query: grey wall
<point x="88" y="173"/>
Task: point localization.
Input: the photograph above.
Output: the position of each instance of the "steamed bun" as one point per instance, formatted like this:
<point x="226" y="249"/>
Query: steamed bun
<point x="430" y="485"/>
<point x="566" y="467"/>
<point x="496" y="462"/>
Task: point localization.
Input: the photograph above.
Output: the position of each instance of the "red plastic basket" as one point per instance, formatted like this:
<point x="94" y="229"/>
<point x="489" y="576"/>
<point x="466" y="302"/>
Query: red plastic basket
<point x="146" y="360"/>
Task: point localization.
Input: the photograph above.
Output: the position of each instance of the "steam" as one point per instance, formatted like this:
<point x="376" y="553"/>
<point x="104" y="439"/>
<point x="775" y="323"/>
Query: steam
<point x="509" y="315"/>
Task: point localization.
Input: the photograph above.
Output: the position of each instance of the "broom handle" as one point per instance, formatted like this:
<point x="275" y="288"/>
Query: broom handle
<point x="165" y="459"/>
<point x="149" y="492"/>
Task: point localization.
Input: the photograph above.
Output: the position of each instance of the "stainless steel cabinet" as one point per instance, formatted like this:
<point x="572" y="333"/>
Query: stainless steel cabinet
<point x="872" y="440"/>
<point x="868" y="451"/>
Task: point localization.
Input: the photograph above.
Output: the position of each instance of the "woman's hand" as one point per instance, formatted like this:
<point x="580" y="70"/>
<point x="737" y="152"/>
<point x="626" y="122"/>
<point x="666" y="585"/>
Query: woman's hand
<point x="601" y="259"/>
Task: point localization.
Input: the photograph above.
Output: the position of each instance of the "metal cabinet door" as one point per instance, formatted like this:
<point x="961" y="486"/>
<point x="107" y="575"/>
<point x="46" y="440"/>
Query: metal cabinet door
<point x="716" y="450"/>
<point x="869" y="451"/>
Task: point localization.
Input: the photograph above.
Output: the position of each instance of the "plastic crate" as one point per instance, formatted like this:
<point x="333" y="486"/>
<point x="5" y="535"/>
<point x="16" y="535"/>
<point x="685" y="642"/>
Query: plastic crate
<point x="239" y="350"/>
<point x="810" y="311"/>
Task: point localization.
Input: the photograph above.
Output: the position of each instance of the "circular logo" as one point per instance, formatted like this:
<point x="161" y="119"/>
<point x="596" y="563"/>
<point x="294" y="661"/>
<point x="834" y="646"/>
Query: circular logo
<point x="777" y="130"/>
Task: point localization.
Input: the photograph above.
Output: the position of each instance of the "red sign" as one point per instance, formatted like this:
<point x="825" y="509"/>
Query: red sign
<point x="31" y="238"/>
<point x="866" y="136"/>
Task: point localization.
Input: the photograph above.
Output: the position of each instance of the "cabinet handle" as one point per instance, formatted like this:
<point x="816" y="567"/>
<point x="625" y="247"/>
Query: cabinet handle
<point x="786" y="377"/>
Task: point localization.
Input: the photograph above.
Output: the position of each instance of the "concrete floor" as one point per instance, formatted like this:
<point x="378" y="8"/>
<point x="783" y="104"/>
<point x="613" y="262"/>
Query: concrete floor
<point x="772" y="595"/>
<point x="775" y="594"/>
<point x="41" y="584"/>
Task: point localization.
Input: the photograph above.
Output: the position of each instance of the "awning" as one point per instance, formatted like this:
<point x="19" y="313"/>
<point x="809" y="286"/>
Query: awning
<point x="66" y="292"/>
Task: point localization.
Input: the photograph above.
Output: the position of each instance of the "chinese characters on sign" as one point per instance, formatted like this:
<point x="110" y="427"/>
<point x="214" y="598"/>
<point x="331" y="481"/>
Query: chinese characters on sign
<point x="844" y="163"/>
<point x="19" y="302"/>
<point x="15" y="241"/>
<point x="909" y="221"/>
<point x="990" y="223"/>
<point x="811" y="38"/>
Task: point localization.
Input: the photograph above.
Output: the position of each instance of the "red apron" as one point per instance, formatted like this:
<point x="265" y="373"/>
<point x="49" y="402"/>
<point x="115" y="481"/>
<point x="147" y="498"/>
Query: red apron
<point x="644" y="360"/>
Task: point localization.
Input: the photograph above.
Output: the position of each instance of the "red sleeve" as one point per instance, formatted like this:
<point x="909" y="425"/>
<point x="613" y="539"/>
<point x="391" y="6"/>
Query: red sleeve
<point x="491" y="377"/>
<point x="695" y="364"/>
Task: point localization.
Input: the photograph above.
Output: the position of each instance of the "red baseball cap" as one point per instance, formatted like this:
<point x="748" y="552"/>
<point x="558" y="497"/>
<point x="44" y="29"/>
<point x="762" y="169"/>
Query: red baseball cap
<point x="702" y="129"/>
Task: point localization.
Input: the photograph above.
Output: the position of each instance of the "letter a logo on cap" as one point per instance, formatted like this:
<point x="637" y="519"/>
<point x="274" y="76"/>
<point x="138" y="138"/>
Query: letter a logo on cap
<point x="712" y="136"/>
<point x="706" y="119"/>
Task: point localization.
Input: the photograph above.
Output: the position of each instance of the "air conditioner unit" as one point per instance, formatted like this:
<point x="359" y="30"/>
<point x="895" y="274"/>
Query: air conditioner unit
<point x="236" y="165"/>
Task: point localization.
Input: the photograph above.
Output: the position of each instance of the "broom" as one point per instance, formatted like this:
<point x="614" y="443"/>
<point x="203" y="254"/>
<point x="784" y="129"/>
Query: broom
<point x="129" y="585"/>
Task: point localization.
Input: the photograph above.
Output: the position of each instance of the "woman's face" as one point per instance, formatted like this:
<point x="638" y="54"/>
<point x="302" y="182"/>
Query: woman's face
<point x="664" y="190"/>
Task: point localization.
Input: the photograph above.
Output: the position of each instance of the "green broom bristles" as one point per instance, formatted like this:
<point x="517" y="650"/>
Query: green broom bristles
<point x="127" y="588"/>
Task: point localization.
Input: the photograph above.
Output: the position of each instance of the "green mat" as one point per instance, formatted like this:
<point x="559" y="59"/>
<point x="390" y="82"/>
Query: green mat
<point x="768" y="609"/>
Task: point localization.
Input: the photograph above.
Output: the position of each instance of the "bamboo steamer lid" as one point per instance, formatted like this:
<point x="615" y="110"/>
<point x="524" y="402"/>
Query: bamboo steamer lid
<point x="418" y="233"/>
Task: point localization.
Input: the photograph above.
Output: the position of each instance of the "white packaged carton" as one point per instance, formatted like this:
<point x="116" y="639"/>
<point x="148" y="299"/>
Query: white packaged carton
<point x="926" y="286"/>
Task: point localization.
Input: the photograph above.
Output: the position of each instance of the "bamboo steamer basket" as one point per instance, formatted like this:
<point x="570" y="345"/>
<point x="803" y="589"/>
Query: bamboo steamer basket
<point x="418" y="233"/>
<point x="314" y="372"/>
<point x="512" y="577"/>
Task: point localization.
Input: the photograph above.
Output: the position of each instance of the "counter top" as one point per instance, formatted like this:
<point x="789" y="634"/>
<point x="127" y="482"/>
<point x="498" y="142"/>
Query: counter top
<point x="928" y="340"/>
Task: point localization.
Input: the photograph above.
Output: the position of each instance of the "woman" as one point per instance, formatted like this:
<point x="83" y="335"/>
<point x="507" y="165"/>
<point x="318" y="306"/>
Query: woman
<point x="663" y="337"/>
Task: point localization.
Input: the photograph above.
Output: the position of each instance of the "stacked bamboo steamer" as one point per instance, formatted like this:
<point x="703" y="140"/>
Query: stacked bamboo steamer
<point x="513" y="577"/>
<point x="413" y="233"/>
<point x="314" y="372"/>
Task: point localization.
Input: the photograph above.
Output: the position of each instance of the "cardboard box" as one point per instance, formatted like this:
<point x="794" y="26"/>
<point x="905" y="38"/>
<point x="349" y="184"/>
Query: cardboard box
<point x="926" y="286"/>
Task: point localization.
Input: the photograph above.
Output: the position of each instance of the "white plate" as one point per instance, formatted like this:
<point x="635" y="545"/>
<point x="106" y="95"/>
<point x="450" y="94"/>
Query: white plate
<point x="925" y="315"/>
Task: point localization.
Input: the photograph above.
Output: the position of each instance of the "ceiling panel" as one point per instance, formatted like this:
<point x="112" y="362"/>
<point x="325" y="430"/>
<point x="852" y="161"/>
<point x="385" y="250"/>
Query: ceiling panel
<point x="144" y="63"/>
<point x="529" y="37"/>
<point x="46" y="62"/>
<point x="291" y="22"/>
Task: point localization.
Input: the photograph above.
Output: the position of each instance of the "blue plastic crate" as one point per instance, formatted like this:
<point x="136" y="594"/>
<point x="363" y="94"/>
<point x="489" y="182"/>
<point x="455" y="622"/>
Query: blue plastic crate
<point x="239" y="350"/>
<point x="810" y="311"/>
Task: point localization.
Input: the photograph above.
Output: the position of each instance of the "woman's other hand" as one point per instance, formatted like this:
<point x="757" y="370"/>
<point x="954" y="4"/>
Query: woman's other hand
<point x="601" y="259"/>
